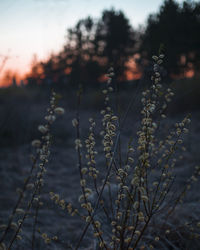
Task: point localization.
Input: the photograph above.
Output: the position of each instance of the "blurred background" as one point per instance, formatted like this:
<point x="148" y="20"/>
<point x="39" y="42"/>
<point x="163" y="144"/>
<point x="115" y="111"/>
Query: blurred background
<point x="48" y="44"/>
<point x="48" y="41"/>
<point x="61" y="45"/>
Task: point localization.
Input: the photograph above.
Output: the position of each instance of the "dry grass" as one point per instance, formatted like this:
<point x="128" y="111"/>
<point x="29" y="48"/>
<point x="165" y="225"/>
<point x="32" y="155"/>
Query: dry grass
<point x="129" y="192"/>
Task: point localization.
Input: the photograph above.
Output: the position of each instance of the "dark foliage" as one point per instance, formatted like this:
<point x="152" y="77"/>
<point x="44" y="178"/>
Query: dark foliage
<point x="176" y="28"/>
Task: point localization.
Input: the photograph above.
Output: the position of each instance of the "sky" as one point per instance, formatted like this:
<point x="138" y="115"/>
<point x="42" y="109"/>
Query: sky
<point x="29" y="27"/>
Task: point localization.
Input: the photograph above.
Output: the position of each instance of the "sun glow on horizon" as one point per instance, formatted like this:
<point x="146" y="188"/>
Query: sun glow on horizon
<point x="39" y="27"/>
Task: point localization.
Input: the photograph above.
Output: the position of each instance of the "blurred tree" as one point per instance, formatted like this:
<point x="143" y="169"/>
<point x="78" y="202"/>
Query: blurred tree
<point x="7" y="78"/>
<point x="92" y="46"/>
<point x="36" y="73"/>
<point x="177" y="28"/>
<point x="95" y="45"/>
<point x="114" y="40"/>
<point x="190" y="36"/>
<point x="80" y="53"/>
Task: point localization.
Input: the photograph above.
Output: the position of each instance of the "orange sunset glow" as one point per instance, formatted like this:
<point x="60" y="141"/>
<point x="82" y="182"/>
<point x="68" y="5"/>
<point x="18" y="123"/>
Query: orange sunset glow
<point x="38" y="27"/>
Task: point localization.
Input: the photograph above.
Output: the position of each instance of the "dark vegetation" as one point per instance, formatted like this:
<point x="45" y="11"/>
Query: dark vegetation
<point x="94" y="45"/>
<point x="91" y="48"/>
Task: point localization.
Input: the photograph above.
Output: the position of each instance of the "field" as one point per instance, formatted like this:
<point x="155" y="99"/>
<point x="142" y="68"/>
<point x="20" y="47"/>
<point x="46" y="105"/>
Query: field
<point x="22" y="111"/>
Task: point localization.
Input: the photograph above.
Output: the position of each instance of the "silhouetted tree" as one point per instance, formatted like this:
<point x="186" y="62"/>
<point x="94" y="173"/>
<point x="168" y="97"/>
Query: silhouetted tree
<point x="9" y="78"/>
<point x="36" y="73"/>
<point x="177" y="28"/>
<point x="80" y="52"/>
<point x="190" y="35"/>
<point x="92" y="46"/>
<point x="114" y="40"/>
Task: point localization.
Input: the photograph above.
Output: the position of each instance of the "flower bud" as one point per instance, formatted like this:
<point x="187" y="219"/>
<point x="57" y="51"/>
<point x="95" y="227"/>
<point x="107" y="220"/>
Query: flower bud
<point x="59" y="111"/>
<point x="42" y="129"/>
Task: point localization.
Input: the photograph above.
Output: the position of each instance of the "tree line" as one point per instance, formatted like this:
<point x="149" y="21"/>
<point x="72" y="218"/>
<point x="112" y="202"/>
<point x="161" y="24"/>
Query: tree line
<point x="94" y="45"/>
